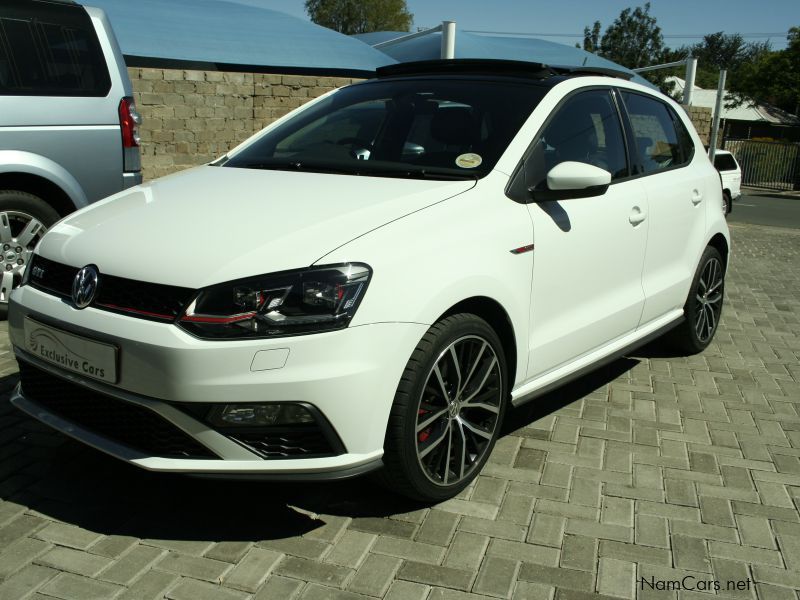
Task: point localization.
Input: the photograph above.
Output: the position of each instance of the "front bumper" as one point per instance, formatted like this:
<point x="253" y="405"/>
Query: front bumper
<point x="349" y="376"/>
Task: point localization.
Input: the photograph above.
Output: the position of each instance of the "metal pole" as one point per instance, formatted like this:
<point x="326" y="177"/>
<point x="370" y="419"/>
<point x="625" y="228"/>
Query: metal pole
<point x="406" y="37"/>
<point x="448" y="39"/>
<point x="712" y="145"/>
<point x="688" y="86"/>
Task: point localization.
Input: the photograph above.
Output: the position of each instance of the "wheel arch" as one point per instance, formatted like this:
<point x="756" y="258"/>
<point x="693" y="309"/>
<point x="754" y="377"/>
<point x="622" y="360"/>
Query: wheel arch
<point x="719" y="242"/>
<point x="39" y="175"/>
<point x="41" y="187"/>
<point x="491" y="311"/>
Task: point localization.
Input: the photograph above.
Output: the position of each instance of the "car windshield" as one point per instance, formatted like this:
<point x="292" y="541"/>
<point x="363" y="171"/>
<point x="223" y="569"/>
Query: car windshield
<point x="440" y="129"/>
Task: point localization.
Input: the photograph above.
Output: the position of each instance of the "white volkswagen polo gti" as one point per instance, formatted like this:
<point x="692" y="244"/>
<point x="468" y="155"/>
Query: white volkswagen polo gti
<point x="370" y="282"/>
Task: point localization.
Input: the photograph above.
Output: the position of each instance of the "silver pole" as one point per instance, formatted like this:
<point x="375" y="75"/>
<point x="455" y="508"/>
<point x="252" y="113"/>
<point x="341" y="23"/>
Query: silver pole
<point x="712" y="145"/>
<point x="688" y="86"/>
<point x="406" y="37"/>
<point x="448" y="39"/>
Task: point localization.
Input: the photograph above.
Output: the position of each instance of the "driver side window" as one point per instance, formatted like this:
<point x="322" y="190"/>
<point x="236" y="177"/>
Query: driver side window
<point x="585" y="129"/>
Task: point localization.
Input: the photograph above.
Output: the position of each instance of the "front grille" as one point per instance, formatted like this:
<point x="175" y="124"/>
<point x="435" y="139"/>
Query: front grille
<point x="119" y="421"/>
<point x="301" y="441"/>
<point x="117" y="294"/>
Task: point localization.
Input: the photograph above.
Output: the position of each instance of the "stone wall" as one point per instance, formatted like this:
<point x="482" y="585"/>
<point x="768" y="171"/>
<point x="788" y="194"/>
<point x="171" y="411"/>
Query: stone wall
<point x="701" y="118"/>
<point x="192" y="117"/>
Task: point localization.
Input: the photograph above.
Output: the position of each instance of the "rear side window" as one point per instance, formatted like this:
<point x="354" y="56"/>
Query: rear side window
<point x="725" y="162"/>
<point x="49" y="49"/>
<point x="662" y="141"/>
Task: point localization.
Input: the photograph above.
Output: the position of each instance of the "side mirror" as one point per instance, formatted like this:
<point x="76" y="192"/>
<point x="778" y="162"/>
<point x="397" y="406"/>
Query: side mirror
<point x="572" y="179"/>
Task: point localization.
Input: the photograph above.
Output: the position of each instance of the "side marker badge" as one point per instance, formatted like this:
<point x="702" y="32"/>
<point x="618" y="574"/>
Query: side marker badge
<point x="522" y="249"/>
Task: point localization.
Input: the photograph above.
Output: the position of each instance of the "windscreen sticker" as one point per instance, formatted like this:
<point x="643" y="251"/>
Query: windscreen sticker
<point x="469" y="160"/>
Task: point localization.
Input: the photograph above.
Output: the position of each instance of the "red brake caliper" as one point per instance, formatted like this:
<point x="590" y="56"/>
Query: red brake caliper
<point x="423" y="435"/>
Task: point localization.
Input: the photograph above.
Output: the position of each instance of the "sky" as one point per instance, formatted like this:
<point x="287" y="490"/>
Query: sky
<point x="682" y="21"/>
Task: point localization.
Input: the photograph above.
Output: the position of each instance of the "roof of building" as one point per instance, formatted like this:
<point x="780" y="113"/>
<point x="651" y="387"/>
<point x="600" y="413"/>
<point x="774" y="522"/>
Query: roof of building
<point x="235" y="32"/>
<point x="744" y="112"/>
<point x="479" y="45"/>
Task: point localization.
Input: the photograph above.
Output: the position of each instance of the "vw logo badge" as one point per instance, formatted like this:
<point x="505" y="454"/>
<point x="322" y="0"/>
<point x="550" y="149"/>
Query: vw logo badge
<point x="84" y="286"/>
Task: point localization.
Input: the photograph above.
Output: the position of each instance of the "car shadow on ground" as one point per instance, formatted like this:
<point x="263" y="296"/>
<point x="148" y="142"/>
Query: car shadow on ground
<point x="66" y="481"/>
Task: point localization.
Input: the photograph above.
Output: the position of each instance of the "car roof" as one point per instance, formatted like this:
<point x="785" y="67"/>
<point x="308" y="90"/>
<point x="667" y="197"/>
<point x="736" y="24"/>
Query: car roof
<point x="494" y="68"/>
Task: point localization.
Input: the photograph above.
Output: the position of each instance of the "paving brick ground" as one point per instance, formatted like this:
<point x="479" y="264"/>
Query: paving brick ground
<point x="657" y="467"/>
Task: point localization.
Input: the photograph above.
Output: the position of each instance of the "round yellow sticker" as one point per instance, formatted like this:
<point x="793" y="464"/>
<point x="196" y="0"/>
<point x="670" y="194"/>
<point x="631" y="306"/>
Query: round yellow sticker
<point x="469" y="160"/>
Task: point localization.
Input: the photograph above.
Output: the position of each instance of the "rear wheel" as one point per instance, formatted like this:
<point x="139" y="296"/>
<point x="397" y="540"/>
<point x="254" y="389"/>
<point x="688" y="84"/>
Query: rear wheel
<point x="24" y="219"/>
<point x="703" y="307"/>
<point x="728" y="201"/>
<point x="447" y="411"/>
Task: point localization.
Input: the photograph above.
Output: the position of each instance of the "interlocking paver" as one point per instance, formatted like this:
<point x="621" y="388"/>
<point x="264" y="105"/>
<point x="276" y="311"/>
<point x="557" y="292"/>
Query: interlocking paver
<point x="279" y="587"/>
<point x="253" y="569"/>
<point x="193" y="566"/>
<point x="497" y="577"/>
<point x="466" y="551"/>
<point x="436" y="575"/>
<point x="375" y="575"/>
<point x="351" y="549"/>
<point x="74" y="561"/>
<point x="657" y="466"/>
<point x="191" y="589"/>
<point x="439" y="526"/>
<point x="309" y="570"/>
<point x="76" y="587"/>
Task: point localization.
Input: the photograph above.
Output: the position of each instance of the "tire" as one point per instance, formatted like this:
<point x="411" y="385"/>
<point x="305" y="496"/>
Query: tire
<point x="24" y="218"/>
<point x="703" y="307"/>
<point x="726" y="198"/>
<point x="437" y="438"/>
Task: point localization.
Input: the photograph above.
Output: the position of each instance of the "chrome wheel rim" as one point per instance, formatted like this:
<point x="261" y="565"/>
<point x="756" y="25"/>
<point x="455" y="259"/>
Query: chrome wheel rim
<point x="458" y="411"/>
<point x="709" y="300"/>
<point x="19" y="234"/>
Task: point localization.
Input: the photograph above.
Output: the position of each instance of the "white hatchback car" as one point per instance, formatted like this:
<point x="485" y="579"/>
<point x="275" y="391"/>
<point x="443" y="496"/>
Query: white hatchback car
<point x="731" y="175"/>
<point x="370" y="282"/>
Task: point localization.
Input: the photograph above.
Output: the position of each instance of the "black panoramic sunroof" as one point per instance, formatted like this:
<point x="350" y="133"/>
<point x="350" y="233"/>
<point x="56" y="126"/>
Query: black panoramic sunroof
<point x="505" y="68"/>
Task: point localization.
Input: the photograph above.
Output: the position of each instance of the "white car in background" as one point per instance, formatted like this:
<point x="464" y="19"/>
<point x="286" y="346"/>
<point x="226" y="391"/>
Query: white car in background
<point x="373" y="280"/>
<point x="731" y="174"/>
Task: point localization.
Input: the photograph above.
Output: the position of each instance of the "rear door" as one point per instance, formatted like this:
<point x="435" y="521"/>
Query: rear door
<point x="589" y="252"/>
<point x="664" y="155"/>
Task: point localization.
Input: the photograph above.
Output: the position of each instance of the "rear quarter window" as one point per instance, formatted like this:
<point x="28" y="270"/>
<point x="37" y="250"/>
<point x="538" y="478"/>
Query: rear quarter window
<point x="49" y="49"/>
<point x="725" y="162"/>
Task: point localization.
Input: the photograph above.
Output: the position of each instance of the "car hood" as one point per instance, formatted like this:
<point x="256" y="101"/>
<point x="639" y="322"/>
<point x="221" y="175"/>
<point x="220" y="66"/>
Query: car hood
<point x="214" y="224"/>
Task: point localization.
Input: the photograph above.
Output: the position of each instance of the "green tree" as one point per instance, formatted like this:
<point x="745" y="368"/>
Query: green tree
<point x="633" y="39"/>
<point x="360" y="16"/>
<point x="722" y="51"/>
<point x="591" y="38"/>
<point x="772" y="77"/>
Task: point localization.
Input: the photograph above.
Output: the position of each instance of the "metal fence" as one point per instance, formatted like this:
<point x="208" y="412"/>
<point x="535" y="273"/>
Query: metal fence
<point x="771" y="165"/>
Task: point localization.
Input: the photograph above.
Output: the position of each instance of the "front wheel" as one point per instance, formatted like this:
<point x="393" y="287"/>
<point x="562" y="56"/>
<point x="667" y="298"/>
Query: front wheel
<point x="703" y="307"/>
<point x="447" y="411"/>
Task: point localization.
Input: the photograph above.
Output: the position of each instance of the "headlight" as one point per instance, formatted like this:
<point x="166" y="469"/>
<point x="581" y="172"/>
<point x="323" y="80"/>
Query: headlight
<point x="289" y="303"/>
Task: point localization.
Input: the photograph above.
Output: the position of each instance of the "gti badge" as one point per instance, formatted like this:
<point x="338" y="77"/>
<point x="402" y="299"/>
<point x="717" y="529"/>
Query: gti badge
<point x="84" y="286"/>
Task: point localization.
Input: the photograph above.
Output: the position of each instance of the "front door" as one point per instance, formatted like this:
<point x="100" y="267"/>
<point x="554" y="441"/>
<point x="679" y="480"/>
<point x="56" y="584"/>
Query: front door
<point x="588" y="252"/>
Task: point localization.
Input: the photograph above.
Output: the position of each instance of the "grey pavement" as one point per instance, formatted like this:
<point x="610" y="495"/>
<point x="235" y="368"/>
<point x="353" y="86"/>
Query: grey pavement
<point x="762" y="207"/>
<point x="654" y="473"/>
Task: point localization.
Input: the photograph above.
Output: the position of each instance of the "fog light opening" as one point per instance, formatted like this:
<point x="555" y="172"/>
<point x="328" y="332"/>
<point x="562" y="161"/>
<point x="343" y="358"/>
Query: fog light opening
<point x="260" y="415"/>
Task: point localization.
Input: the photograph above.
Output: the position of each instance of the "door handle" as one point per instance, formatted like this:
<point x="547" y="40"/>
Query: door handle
<point x="697" y="197"/>
<point x="637" y="216"/>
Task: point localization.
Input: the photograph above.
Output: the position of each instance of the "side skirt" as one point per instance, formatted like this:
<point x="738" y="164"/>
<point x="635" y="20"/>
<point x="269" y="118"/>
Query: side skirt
<point x="522" y="396"/>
